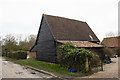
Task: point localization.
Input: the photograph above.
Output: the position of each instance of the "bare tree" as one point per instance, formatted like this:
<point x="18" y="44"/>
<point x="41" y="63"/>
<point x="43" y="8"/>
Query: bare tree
<point x="10" y="43"/>
<point x="19" y="38"/>
<point x="110" y="34"/>
<point x="27" y="43"/>
<point x="23" y="45"/>
<point x="31" y="39"/>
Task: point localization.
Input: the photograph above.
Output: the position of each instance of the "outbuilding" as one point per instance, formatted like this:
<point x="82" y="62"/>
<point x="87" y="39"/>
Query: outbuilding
<point x="56" y="30"/>
<point x="112" y="44"/>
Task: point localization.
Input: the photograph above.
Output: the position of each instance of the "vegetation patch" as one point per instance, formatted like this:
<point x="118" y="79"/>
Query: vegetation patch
<point x="75" y="58"/>
<point x="17" y="54"/>
<point x="19" y="51"/>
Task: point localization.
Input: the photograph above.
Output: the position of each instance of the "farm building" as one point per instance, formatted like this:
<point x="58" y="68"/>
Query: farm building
<point x="112" y="43"/>
<point x="56" y="30"/>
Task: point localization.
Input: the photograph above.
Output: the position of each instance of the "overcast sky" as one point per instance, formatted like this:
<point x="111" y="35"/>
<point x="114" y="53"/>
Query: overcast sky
<point x="24" y="16"/>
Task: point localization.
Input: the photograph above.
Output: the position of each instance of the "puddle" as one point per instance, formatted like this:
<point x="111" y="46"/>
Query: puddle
<point x="5" y="61"/>
<point x="18" y="72"/>
<point x="33" y="72"/>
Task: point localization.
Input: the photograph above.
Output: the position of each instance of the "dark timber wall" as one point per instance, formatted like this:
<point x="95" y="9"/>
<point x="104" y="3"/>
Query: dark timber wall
<point x="46" y="48"/>
<point x="97" y="51"/>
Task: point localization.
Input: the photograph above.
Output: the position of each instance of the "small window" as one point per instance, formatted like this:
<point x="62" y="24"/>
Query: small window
<point x="91" y="37"/>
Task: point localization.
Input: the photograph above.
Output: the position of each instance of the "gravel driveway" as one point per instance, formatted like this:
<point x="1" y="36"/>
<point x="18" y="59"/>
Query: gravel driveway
<point x="12" y="70"/>
<point x="110" y="70"/>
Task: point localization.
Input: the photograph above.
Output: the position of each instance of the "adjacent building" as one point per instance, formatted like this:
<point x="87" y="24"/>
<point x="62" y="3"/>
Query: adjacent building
<point x="112" y="43"/>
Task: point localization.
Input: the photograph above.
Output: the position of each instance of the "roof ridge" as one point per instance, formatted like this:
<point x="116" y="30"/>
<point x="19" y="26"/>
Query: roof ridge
<point x="112" y="37"/>
<point x="64" y="18"/>
<point x="74" y="40"/>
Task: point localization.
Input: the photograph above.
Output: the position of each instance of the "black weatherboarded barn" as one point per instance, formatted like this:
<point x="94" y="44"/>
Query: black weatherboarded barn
<point x="53" y="30"/>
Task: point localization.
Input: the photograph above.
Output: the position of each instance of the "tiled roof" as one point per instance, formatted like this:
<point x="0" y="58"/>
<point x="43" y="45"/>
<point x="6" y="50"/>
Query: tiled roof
<point x="111" y="41"/>
<point x="82" y="43"/>
<point x="69" y="29"/>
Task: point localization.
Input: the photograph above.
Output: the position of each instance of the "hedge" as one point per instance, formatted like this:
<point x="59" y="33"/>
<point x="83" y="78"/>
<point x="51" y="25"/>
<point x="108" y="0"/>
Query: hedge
<point x="17" y="54"/>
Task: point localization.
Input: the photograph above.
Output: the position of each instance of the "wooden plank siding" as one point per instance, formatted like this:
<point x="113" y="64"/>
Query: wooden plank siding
<point x="45" y="44"/>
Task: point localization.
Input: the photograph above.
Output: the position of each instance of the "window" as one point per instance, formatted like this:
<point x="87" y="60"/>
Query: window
<point x="91" y="37"/>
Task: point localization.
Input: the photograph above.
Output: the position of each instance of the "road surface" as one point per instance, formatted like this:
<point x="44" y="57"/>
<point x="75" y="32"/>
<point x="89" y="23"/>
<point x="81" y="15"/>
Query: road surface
<point x="12" y="70"/>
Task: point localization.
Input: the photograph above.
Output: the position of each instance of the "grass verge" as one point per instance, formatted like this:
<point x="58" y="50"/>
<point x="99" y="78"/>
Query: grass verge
<point x="50" y="67"/>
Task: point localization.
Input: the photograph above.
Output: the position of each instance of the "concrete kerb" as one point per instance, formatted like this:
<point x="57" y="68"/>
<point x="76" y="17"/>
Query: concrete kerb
<point x="42" y="71"/>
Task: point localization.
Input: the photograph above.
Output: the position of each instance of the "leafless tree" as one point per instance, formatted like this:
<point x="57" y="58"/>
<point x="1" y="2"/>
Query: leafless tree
<point x="12" y="43"/>
<point x="110" y="34"/>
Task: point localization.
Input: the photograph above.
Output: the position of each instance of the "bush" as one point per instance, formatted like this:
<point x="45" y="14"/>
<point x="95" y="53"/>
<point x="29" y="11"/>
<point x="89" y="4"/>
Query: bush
<point x="108" y="52"/>
<point x="118" y="52"/>
<point x="72" y="57"/>
<point x="95" y="62"/>
<point x="17" y="54"/>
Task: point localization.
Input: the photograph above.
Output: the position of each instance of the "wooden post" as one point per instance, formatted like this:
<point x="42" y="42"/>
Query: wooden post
<point x="101" y="65"/>
<point x="87" y="65"/>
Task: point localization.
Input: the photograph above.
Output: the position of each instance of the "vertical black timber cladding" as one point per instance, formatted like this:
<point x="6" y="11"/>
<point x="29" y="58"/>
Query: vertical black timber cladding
<point x="45" y="44"/>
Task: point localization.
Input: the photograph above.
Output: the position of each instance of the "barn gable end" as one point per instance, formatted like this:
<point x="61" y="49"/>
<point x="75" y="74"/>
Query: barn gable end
<point x="45" y="46"/>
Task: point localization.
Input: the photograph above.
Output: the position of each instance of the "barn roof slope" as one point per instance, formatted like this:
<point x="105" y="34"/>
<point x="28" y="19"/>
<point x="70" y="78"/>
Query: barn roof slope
<point x="69" y="29"/>
<point x="111" y="41"/>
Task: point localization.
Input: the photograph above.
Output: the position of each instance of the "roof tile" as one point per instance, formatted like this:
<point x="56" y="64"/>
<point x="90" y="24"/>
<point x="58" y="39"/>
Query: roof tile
<point x="82" y="43"/>
<point x="69" y="29"/>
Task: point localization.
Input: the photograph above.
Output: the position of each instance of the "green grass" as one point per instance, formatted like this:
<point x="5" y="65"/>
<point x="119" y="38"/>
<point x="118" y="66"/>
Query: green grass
<point x="50" y="67"/>
<point x="18" y="51"/>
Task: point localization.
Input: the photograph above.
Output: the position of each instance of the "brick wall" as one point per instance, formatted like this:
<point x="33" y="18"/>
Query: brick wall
<point x="32" y="55"/>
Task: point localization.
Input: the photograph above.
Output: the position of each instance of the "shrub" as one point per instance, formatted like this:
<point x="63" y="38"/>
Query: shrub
<point x="95" y="62"/>
<point x="17" y="54"/>
<point x="62" y="53"/>
<point x="108" y="51"/>
<point x="118" y="52"/>
<point x="72" y="57"/>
